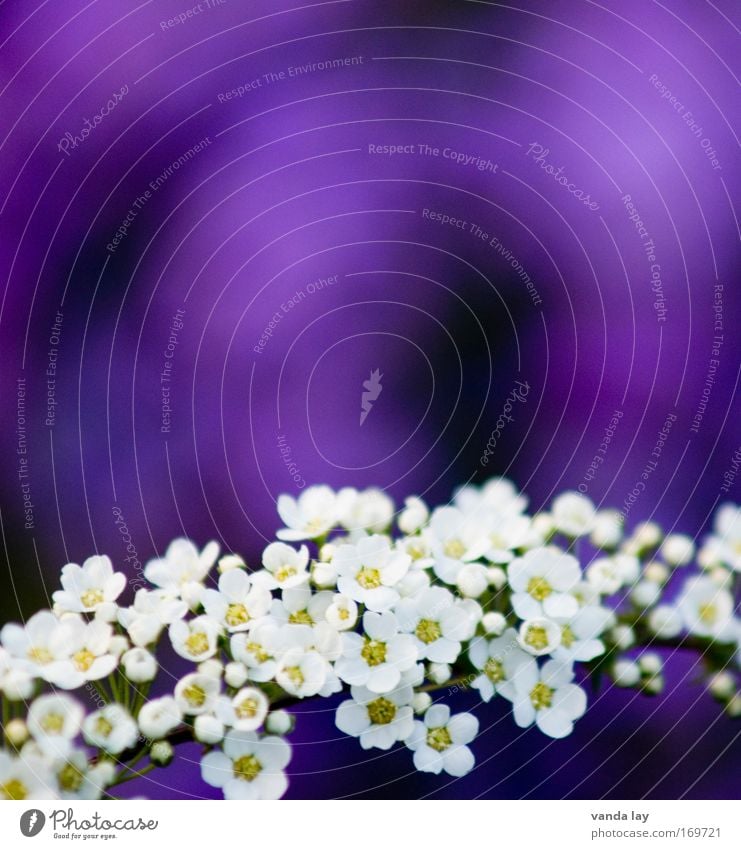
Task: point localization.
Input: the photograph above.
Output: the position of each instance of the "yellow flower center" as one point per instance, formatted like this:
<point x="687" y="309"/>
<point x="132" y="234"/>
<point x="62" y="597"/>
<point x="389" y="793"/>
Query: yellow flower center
<point x="708" y="613"/>
<point x="539" y="588"/>
<point x="301" y="617"/>
<point x="369" y="579"/>
<point x="247" y="708"/>
<point x="494" y="670"/>
<point x="103" y="726"/>
<point x="373" y="652"/>
<point x="428" y="631"/>
<point x="343" y="613"/>
<point x="247" y="768"/>
<point x="91" y="597"/>
<point x="381" y="711"/>
<point x="295" y="675"/>
<point x="70" y="778"/>
<point x="194" y="695"/>
<point x="258" y="652"/>
<point x="14" y="789"/>
<point x="40" y="655"/>
<point x="416" y="551"/>
<point x="541" y="696"/>
<point x="197" y="643"/>
<point x="454" y="548"/>
<point x="567" y="636"/>
<point x="83" y="659"/>
<point x="52" y="723"/>
<point x="236" y="614"/>
<point x="439" y="738"/>
<point x="537" y="637"/>
<point x="284" y="573"/>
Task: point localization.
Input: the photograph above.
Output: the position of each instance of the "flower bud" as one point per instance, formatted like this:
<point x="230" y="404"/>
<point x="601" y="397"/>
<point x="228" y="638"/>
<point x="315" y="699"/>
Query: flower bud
<point x="608" y="529"/>
<point x="650" y="663"/>
<point x="722" y="686"/>
<point x="324" y="575"/>
<point x="654" y="685"/>
<point x="623" y="636"/>
<point x="161" y="753"/>
<point x="118" y="645"/>
<point x="139" y="665"/>
<point x="626" y="673"/>
<point x="211" y="667"/>
<point x="657" y="573"/>
<point x="472" y="580"/>
<point x="665" y="621"/>
<point x="438" y="673"/>
<point x="678" y="550"/>
<point x="279" y="722"/>
<point x="645" y="594"/>
<point x="208" y="729"/>
<point x="421" y="702"/>
<point x="326" y="552"/>
<point x="16" y="732"/>
<point x="413" y="516"/>
<point x="494" y="623"/>
<point x="496" y="576"/>
<point x="229" y="562"/>
<point x="235" y="674"/>
<point x="733" y="707"/>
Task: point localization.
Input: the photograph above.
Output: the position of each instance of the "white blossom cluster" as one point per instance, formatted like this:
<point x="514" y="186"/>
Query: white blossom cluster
<point x="353" y="596"/>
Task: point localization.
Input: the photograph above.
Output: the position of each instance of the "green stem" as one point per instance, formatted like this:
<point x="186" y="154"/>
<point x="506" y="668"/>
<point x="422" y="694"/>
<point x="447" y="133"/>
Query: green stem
<point x="132" y="774"/>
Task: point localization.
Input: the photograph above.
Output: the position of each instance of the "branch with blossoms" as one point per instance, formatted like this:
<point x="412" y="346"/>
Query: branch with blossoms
<point x="355" y="598"/>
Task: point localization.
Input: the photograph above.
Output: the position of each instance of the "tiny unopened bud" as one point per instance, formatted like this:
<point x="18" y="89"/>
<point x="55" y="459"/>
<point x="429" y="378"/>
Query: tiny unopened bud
<point x="647" y="535"/>
<point x="118" y="645"/>
<point x="420" y="702"/>
<point x="16" y="732"/>
<point x="324" y="575"/>
<point x="650" y="663"/>
<point x="645" y="594"/>
<point x="208" y="729"/>
<point x="496" y="576"/>
<point x="327" y="551"/>
<point x="623" y="636"/>
<point x="654" y="685"/>
<point x="235" y="674"/>
<point x="657" y="573"/>
<point x="494" y="623"/>
<point x="161" y="753"/>
<point x="665" y="621"/>
<point x="279" y="722"/>
<point x="722" y="686"/>
<point x="229" y="562"/>
<point x="678" y="550"/>
<point x="733" y="707"/>
<point x="626" y="673"/>
<point x="438" y="673"/>
<point x="211" y="667"/>
<point x="608" y="530"/>
<point x="472" y="580"/>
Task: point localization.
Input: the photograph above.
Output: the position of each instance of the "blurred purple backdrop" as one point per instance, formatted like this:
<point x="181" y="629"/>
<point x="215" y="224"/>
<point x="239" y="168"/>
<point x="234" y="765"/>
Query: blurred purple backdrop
<point x="240" y="184"/>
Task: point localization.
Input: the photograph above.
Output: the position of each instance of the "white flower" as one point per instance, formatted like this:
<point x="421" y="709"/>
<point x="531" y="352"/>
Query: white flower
<point x="236" y="605"/>
<point x="299" y="606"/>
<point x="111" y="729"/>
<point x="378" y="721"/>
<point x="182" y="570"/>
<point x="573" y="514"/>
<point x="37" y="645"/>
<point x="497" y="495"/>
<point x="139" y="665"/>
<point x="249" y="767"/>
<point x="301" y="673"/>
<point x="312" y="515"/>
<point x="580" y="634"/>
<point x="16" y="682"/>
<point x="437" y="624"/>
<point x="678" y="550"/>
<point x="439" y="673"/>
<point x="151" y="611"/>
<point x="78" y="779"/>
<point x="546" y="696"/>
<point x="54" y="721"/>
<point x="539" y="636"/>
<point x="626" y="673"/>
<point x="88" y="586"/>
<point x="728" y="535"/>
<point x="414" y="515"/>
<point x="196" y="693"/>
<point x="370" y="510"/>
<point x="454" y="539"/>
<point x="159" y="717"/>
<point x="507" y="533"/>
<point x="608" y="574"/>
<point x="608" y="529"/>
<point x="439" y="743"/>
<point x="472" y="580"/>
<point x="258" y="650"/>
<point x="18" y="781"/>
<point x="377" y="659"/>
<point x="342" y="613"/>
<point x="90" y="657"/>
<point x="195" y="640"/>
<point x="369" y="571"/>
<point x="645" y="594"/>
<point x="496" y="659"/>
<point x="706" y="608"/>
<point x="245" y="711"/>
<point x="542" y="580"/>
<point x="284" y="566"/>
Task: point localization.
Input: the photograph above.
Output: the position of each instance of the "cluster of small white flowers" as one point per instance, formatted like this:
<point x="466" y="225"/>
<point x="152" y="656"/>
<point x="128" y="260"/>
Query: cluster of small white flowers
<point x="477" y="593"/>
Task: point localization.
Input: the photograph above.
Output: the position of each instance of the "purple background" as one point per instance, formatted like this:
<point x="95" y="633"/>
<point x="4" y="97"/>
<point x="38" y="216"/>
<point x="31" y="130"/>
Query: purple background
<point x="287" y="192"/>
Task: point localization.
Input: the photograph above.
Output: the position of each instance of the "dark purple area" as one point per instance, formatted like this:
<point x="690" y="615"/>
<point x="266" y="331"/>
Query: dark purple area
<point x="285" y="192"/>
